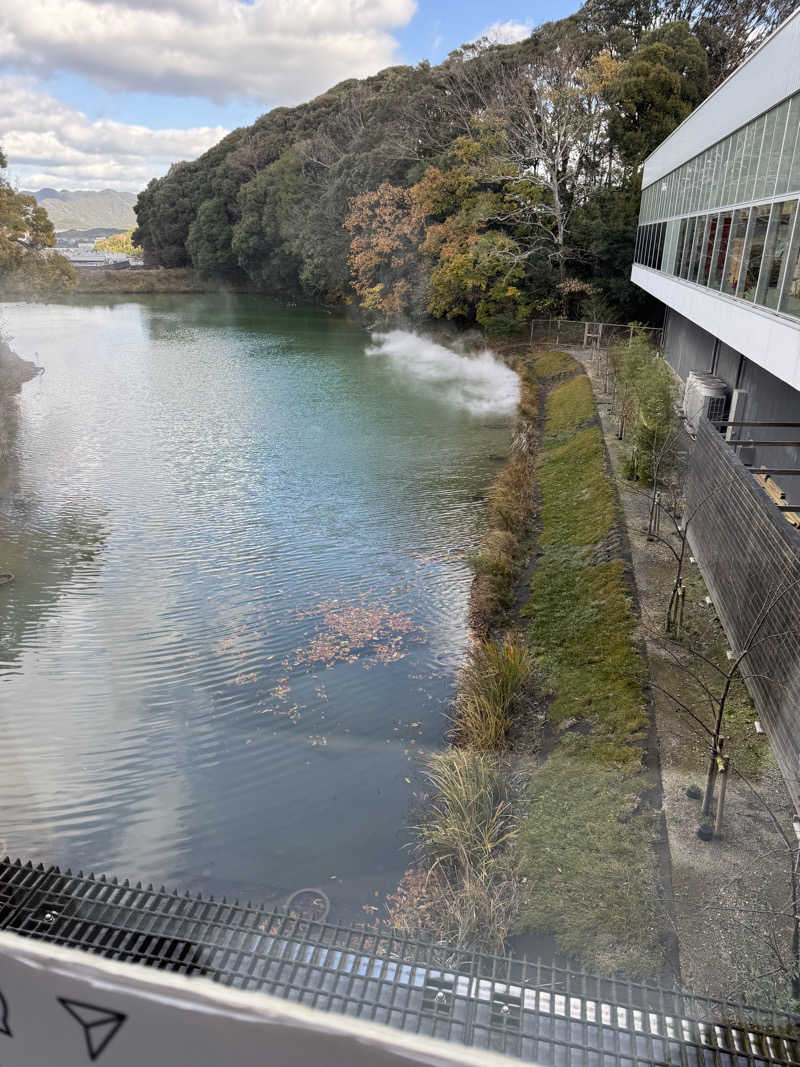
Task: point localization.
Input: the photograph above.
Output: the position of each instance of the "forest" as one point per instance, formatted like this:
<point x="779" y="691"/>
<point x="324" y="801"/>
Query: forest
<point x="502" y="184"/>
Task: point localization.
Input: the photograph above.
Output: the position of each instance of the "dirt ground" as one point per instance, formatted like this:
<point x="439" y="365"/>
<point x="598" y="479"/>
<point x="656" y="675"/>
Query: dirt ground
<point x="731" y="903"/>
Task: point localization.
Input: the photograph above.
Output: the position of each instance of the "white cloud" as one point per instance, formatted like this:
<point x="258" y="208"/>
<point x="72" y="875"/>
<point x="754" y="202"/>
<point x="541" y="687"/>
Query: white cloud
<point x="266" y="50"/>
<point x="48" y="143"/>
<point x="507" y="32"/>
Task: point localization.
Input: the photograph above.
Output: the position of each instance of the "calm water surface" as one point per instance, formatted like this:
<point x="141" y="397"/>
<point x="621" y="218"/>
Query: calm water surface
<point x="239" y="534"/>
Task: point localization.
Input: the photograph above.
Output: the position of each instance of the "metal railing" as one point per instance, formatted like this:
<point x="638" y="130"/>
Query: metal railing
<point x="584" y="334"/>
<point x="533" y="1009"/>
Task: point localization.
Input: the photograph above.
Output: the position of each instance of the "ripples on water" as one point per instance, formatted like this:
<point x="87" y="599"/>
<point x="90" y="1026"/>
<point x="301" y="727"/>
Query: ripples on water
<point x="238" y="612"/>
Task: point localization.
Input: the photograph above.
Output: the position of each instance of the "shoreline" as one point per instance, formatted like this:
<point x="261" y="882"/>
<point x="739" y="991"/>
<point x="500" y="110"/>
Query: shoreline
<point x="14" y="370"/>
<point x="156" y="280"/>
<point x="556" y="738"/>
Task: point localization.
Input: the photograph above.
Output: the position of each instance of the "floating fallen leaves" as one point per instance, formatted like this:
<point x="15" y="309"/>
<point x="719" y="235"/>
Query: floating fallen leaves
<point x="244" y="678"/>
<point x="364" y="631"/>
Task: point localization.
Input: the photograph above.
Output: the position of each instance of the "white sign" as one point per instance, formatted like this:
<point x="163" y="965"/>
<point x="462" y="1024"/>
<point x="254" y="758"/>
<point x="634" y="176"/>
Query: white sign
<point x="65" y="1008"/>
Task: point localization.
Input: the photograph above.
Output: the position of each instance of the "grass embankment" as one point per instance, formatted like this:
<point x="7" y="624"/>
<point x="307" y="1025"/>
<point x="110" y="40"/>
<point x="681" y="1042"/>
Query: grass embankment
<point x="563" y="845"/>
<point x="585" y="846"/>
<point x="176" y="280"/>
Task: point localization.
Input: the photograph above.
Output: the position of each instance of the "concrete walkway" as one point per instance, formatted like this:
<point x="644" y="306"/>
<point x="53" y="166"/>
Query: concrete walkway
<point x="731" y="897"/>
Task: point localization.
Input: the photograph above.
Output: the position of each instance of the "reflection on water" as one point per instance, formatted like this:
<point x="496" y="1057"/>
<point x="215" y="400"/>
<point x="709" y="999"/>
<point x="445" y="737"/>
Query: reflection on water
<point x="238" y="613"/>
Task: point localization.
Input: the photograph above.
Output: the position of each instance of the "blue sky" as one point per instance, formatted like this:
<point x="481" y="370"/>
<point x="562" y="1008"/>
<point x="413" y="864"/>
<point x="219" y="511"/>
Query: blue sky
<point x="435" y="29"/>
<point x="97" y="93"/>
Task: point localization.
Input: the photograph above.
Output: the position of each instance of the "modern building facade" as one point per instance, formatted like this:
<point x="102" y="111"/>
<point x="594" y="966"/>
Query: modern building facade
<point x="719" y="243"/>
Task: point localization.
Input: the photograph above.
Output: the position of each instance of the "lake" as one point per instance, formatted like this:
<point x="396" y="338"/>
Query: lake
<point x="240" y="538"/>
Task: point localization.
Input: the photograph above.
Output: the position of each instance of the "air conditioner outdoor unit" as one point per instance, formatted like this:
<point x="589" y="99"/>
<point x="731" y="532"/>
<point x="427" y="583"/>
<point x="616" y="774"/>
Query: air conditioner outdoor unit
<point x="704" y="394"/>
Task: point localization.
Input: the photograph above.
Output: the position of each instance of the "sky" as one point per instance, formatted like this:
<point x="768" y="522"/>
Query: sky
<point x="101" y="94"/>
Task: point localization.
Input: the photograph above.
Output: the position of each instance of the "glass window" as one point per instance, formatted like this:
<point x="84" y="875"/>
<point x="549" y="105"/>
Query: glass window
<point x="697" y="184"/>
<point x="661" y="233"/>
<point x="794" y="173"/>
<point x="708" y="176"/>
<point x="684" y="191"/>
<point x="673" y="193"/>
<point x="791" y="145"/>
<point x="734" y="166"/>
<point x="680" y="248"/>
<point x="747" y="179"/>
<point x="790" y="301"/>
<point x="720" y="251"/>
<point x="697" y="247"/>
<point x="754" y="250"/>
<point x="688" y="178"/>
<point x="765" y="154"/>
<point x="708" y="250"/>
<point x="687" y="247"/>
<point x="722" y="171"/>
<point x="733" y="262"/>
<point x="782" y="134"/>
<point x="713" y="188"/>
<point x="670" y="246"/>
<point x="775" y="247"/>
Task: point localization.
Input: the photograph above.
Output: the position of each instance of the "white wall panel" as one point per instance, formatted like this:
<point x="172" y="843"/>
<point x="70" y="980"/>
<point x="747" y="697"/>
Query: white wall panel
<point x="767" y="77"/>
<point x="768" y="340"/>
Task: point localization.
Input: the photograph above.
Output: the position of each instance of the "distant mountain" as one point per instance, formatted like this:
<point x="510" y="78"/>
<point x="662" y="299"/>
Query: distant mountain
<point x="73" y="238"/>
<point x="87" y="209"/>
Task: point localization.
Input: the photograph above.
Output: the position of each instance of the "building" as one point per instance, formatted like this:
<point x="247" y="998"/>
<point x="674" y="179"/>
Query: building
<point x="719" y="244"/>
<point x="89" y="259"/>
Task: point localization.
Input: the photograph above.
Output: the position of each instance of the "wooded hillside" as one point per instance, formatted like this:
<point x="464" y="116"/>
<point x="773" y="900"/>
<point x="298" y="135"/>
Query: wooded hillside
<point x="502" y="183"/>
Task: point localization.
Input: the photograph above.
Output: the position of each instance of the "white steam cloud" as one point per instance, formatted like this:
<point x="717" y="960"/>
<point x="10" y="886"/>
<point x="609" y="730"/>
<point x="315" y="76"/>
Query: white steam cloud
<point x="480" y="383"/>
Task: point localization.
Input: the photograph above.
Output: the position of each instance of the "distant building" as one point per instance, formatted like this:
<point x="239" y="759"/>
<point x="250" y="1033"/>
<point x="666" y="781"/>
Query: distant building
<point x="719" y="242"/>
<point x="84" y="258"/>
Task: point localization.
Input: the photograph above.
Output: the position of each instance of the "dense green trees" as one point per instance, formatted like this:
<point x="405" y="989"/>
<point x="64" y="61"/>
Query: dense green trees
<point x="503" y="182"/>
<point x="27" y="267"/>
<point x="654" y="90"/>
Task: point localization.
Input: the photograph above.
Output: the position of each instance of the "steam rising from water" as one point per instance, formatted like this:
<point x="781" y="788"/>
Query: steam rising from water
<point x="480" y="383"/>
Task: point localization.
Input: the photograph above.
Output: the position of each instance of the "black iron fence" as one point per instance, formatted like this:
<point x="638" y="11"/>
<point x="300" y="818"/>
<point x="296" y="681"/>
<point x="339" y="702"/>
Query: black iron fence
<point x="536" y="1010"/>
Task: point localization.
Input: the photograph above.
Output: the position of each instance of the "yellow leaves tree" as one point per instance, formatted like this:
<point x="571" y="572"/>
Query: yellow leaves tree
<point x="118" y="242"/>
<point x="482" y="279"/>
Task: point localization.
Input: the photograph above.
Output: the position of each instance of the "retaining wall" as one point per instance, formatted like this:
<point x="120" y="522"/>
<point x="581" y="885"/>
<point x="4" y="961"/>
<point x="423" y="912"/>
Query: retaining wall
<point x="748" y="553"/>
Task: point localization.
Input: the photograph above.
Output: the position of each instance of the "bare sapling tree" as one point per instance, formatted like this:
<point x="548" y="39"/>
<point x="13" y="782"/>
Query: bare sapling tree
<point x="714" y="686"/>
<point x="791" y="907"/>
<point x="755" y="638"/>
<point x="717" y="692"/>
<point x="670" y="504"/>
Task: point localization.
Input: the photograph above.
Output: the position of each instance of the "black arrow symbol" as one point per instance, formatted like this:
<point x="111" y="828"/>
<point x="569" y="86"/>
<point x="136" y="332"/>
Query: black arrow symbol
<point x="99" y="1024"/>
